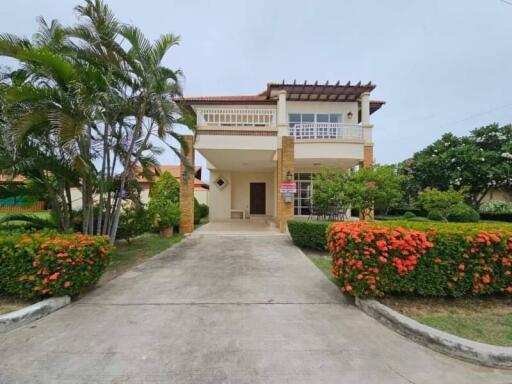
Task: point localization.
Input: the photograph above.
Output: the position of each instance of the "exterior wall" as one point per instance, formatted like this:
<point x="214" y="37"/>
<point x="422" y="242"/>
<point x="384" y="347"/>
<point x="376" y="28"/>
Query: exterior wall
<point x="202" y="196"/>
<point x="220" y="200"/>
<point x="498" y="194"/>
<point x="328" y="150"/>
<point x="240" y="190"/>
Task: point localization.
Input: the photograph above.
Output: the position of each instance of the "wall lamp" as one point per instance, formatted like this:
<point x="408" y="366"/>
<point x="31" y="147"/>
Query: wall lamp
<point x="349" y="115"/>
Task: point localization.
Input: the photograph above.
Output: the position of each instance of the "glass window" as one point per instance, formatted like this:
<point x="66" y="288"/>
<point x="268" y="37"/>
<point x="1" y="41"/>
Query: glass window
<point x="294" y="117"/>
<point x="308" y="117"/>
<point x="322" y="118"/>
<point x="335" y="118"/>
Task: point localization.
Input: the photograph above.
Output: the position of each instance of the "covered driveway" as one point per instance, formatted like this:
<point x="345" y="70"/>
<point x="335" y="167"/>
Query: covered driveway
<point x="222" y="309"/>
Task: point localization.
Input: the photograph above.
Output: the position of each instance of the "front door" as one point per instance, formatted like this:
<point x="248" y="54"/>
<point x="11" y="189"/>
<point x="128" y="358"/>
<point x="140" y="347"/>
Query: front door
<point x="257" y="199"/>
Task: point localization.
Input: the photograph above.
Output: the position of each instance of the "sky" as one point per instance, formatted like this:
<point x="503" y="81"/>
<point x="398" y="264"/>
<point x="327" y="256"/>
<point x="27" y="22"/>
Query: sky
<point x="441" y="66"/>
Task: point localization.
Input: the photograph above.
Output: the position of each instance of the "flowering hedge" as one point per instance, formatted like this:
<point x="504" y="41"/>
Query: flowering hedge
<point x="50" y="264"/>
<point x="371" y="259"/>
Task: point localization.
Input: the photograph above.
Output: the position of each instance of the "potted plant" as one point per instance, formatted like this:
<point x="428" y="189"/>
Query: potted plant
<point x="166" y="215"/>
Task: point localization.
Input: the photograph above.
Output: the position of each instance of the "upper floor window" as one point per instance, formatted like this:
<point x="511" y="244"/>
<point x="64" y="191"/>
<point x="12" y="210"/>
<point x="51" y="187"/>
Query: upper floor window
<point x="298" y="118"/>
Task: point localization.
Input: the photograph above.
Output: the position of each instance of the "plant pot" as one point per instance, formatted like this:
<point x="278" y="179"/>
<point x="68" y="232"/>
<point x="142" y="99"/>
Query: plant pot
<point x="167" y="232"/>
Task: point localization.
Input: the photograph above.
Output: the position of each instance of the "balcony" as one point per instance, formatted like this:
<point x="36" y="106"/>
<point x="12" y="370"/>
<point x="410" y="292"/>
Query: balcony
<point x="331" y="131"/>
<point x="236" y="117"/>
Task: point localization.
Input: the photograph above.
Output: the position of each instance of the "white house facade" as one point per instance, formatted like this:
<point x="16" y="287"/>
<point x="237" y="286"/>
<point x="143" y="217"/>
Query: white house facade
<point x="263" y="150"/>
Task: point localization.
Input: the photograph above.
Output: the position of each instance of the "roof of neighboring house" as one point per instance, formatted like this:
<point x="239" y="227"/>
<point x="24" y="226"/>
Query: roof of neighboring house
<point x="175" y="171"/>
<point x="295" y="92"/>
<point x="9" y="178"/>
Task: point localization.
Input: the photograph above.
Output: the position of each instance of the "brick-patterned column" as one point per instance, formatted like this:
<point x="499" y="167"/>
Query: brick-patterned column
<point x="368" y="157"/>
<point x="286" y="160"/>
<point x="187" y="188"/>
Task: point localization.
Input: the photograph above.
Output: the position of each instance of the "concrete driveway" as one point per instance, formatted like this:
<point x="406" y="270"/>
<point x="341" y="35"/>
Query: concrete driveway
<point x="222" y="309"/>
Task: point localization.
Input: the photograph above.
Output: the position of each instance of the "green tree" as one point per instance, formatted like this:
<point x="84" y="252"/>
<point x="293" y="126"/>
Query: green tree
<point x="101" y="90"/>
<point x="375" y="187"/>
<point x="440" y="203"/>
<point x="330" y="192"/>
<point x="477" y="162"/>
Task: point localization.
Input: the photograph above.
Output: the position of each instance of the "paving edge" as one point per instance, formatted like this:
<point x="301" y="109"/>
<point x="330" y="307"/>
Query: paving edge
<point x="483" y="354"/>
<point x="12" y="320"/>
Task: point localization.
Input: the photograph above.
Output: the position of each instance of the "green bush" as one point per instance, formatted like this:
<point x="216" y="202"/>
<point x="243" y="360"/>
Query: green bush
<point x="453" y="260"/>
<point x="436" y="216"/>
<point x="496" y="206"/>
<point x="409" y="215"/>
<point x="463" y="214"/>
<point x="197" y="212"/>
<point x="205" y="210"/>
<point x="50" y="264"/>
<point x="134" y="221"/>
<point x="439" y="203"/>
<point x="309" y="234"/>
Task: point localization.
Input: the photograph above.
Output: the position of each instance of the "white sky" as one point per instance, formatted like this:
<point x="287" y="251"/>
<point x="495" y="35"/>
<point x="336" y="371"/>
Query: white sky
<point x="440" y="65"/>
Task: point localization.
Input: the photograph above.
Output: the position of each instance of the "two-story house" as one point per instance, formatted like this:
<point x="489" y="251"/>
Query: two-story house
<point x="259" y="148"/>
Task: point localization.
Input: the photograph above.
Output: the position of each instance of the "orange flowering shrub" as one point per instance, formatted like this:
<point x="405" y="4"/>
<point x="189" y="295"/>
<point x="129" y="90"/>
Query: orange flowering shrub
<point x="371" y="259"/>
<point x="51" y="264"/>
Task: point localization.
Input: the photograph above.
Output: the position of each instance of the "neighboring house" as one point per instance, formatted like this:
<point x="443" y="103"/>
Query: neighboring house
<point x="19" y="203"/>
<point x="201" y="188"/>
<point x="498" y="194"/>
<point x="246" y="141"/>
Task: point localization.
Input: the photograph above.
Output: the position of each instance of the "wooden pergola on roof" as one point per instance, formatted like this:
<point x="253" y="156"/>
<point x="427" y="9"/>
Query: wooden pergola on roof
<point x="294" y="92"/>
<point x="319" y="92"/>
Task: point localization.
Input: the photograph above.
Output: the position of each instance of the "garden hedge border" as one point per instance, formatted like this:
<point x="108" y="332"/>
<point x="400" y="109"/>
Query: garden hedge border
<point x="474" y="352"/>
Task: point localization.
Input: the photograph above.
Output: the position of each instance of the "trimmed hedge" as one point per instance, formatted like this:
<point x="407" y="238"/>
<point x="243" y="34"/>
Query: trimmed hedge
<point x="497" y="216"/>
<point x="309" y="234"/>
<point x="50" y="264"/>
<point x="428" y="259"/>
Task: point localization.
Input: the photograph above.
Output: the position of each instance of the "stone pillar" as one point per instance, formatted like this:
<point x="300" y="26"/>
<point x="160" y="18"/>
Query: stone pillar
<point x="285" y="164"/>
<point x="187" y="187"/>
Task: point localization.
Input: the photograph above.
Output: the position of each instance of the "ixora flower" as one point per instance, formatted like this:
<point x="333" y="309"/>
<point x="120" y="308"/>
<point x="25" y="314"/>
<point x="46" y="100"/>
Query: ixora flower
<point x="372" y="259"/>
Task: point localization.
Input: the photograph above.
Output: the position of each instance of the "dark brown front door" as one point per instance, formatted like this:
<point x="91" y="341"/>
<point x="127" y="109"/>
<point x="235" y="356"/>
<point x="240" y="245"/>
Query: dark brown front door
<point x="257" y="199"/>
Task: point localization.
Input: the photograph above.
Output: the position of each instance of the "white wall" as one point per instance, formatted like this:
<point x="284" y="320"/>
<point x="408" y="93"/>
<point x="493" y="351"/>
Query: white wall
<point x="220" y="200"/>
<point x="240" y="190"/>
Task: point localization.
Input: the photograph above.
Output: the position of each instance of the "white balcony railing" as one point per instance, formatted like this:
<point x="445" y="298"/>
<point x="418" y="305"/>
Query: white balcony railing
<point x="236" y="117"/>
<point x="327" y="131"/>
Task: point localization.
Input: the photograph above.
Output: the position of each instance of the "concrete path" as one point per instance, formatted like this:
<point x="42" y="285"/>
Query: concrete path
<point x="223" y="309"/>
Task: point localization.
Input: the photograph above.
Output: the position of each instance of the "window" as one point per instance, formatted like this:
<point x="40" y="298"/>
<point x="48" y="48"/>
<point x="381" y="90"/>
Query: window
<point x="304" y="193"/>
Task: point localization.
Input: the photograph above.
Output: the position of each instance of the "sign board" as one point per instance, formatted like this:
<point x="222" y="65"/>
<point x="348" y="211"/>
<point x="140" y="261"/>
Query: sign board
<point x="289" y="187"/>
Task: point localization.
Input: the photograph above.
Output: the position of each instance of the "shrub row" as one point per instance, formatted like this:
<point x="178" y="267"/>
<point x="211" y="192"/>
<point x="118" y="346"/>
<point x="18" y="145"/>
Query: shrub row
<point x="49" y="264"/>
<point x="372" y="259"/>
<point x="497" y="216"/>
<point x="309" y="234"/>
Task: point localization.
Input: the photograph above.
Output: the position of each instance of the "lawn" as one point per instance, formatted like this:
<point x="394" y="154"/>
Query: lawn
<point x="484" y="319"/>
<point x="8" y="304"/>
<point x="126" y="256"/>
<point x="487" y="320"/>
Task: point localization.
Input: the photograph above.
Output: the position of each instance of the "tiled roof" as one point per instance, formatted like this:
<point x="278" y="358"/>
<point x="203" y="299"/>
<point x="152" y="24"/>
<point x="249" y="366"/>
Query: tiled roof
<point x="241" y="99"/>
<point x="295" y="92"/>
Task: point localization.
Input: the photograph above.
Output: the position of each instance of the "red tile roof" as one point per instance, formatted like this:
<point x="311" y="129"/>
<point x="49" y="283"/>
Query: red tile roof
<point x="295" y="92"/>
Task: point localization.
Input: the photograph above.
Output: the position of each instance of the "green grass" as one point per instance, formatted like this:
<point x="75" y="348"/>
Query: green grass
<point x="126" y="256"/>
<point x="484" y="319"/>
<point x="8" y="304"/>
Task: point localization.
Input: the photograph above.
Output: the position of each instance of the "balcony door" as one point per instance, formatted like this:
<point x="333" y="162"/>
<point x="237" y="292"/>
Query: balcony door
<point x="257" y="199"/>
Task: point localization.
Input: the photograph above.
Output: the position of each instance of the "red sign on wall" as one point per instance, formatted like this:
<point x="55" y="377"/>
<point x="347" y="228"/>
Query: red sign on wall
<point x="290" y="187"/>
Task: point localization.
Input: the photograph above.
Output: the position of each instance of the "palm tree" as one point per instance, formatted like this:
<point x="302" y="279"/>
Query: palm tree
<point x="100" y="88"/>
